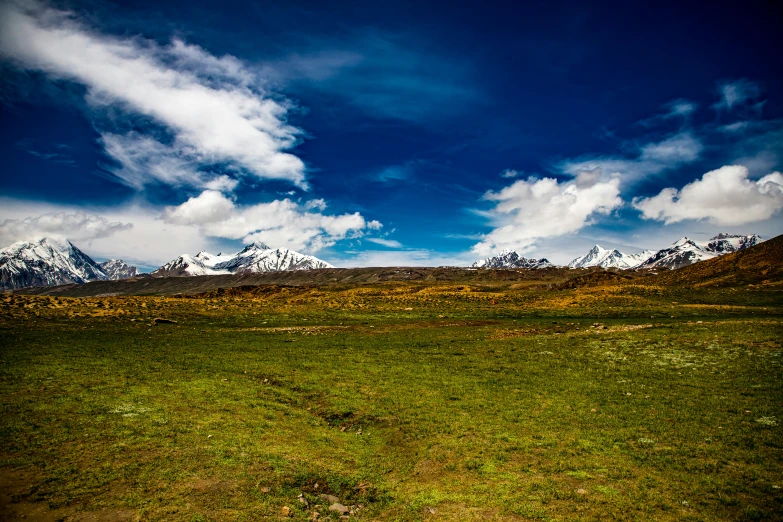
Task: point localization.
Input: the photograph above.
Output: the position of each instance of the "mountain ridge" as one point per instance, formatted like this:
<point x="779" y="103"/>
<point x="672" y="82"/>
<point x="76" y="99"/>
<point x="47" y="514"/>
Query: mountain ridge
<point x="254" y="258"/>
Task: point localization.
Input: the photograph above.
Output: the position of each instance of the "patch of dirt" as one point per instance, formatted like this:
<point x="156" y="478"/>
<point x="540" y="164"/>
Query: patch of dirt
<point x="16" y="484"/>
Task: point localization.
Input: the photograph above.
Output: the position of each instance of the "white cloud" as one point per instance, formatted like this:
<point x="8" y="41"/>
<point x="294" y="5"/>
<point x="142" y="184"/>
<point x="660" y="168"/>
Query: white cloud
<point x="282" y="223"/>
<point x="532" y="209"/>
<point x="722" y="197"/>
<point x="737" y="93"/>
<point x="315" y="204"/>
<point x="149" y="242"/>
<point x="213" y="107"/>
<point x="407" y="257"/>
<point x="391" y="243"/>
<point x="374" y="225"/>
<point x="144" y="160"/>
<point x="209" y="207"/>
<point x="509" y="173"/>
<point x="679" y="108"/>
<point x="652" y="158"/>
<point x="678" y="150"/>
<point x="77" y="226"/>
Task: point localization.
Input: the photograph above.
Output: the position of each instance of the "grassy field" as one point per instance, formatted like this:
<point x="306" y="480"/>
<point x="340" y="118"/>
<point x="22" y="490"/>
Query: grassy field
<point x="407" y="401"/>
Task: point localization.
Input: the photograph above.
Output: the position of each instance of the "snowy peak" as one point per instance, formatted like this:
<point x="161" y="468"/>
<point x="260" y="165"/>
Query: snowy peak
<point x="254" y="258"/>
<point x="260" y="258"/>
<point x="255" y="246"/>
<point x="726" y="243"/>
<point x="686" y="251"/>
<point x="604" y="258"/>
<point x="118" y="269"/>
<point x="45" y="262"/>
<point x="510" y="259"/>
<point x="682" y="253"/>
<point x="187" y="265"/>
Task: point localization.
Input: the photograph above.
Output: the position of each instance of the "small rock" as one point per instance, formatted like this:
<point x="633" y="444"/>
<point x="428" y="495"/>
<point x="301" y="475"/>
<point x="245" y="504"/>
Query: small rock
<point x="161" y="320"/>
<point x="431" y="511"/>
<point x="265" y="490"/>
<point x="581" y="491"/>
<point x="339" y="508"/>
<point x="331" y="499"/>
<point x="287" y="511"/>
<point x="315" y="516"/>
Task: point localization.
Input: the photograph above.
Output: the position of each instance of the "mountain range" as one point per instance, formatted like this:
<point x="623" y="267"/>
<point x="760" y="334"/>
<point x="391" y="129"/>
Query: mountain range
<point x="254" y="258"/>
<point x="510" y="259"/>
<point x="681" y="253"/>
<point x="52" y="262"/>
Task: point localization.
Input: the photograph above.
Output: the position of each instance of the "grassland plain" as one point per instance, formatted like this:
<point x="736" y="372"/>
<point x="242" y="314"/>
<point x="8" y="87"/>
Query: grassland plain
<point x="617" y="400"/>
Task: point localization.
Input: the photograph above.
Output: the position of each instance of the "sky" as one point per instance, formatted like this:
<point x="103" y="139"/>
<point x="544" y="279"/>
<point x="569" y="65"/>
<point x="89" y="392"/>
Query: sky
<point x="388" y="133"/>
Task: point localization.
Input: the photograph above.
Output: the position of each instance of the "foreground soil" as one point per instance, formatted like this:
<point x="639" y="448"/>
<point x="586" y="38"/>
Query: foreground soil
<point x="605" y="399"/>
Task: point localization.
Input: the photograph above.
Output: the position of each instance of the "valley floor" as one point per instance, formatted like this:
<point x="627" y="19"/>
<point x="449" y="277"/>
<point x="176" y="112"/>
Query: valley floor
<point x="407" y="401"/>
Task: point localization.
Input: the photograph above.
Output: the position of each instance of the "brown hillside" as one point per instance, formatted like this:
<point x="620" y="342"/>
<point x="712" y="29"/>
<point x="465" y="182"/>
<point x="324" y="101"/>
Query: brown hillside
<point x="761" y="264"/>
<point x="320" y="277"/>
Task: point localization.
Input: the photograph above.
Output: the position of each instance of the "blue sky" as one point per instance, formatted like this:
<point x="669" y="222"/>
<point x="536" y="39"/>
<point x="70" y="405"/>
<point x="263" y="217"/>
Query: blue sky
<point x="394" y="133"/>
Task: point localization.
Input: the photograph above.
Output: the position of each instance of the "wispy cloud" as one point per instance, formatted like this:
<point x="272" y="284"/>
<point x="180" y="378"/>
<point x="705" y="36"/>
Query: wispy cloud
<point x="391" y="243"/>
<point x="407" y="257"/>
<point x="384" y="74"/>
<point x="400" y="172"/>
<point x="737" y="93"/>
<point x="56" y="153"/>
<point x="675" y="109"/>
<point x="213" y="107"/>
<point x="650" y="158"/>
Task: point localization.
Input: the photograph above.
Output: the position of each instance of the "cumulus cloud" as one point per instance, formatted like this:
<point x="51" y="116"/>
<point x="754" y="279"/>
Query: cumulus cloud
<point x="210" y="206"/>
<point x="532" y="209"/>
<point x="77" y="226"/>
<point x="722" y="197"/>
<point x="213" y="107"/>
<point x="281" y="223"/>
<point x="651" y="158"/>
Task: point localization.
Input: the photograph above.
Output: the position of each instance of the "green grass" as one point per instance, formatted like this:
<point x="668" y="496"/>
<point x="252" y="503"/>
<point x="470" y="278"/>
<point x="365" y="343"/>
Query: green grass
<point x="456" y="409"/>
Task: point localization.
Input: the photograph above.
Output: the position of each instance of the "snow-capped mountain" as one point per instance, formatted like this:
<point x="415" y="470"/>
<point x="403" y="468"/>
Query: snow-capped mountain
<point x="187" y="265"/>
<point x="118" y="269"/>
<point x="46" y="262"/>
<point x="258" y="257"/>
<point x="510" y="259"/>
<point x="254" y="258"/>
<point x="602" y="257"/>
<point x="727" y="243"/>
<point x="684" y="252"/>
